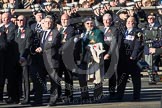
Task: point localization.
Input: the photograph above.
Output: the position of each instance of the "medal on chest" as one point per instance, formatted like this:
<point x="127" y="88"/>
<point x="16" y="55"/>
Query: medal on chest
<point x="50" y="36"/>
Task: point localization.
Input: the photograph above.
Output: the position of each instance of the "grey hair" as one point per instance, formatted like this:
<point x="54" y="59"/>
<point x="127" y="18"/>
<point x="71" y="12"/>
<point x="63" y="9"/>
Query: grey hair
<point x="107" y="14"/>
<point x="50" y="17"/>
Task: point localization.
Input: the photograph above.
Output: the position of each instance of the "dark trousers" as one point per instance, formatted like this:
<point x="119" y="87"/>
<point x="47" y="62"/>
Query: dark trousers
<point x="98" y="89"/>
<point x="26" y="84"/>
<point x="68" y="78"/>
<point x="83" y="86"/>
<point x="14" y="76"/>
<point x="37" y="77"/>
<point x="38" y="74"/>
<point x="54" y="85"/>
<point x="112" y="79"/>
<point x="2" y="75"/>
<point x="124" y="69"/>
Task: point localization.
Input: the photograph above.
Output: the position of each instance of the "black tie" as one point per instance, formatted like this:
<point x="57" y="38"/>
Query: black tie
<point x="38" y="28"/>
<point x="126" y="33"/>
<point x="5" y="29"/>
<point x="105" y="30"/>
<point x="44" y="36"/>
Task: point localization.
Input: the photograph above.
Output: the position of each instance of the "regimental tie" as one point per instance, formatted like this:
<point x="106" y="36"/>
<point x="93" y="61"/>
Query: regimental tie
<point x="44" y="37"/>
<point x="18" y="32"/>
<point x="106" y="29"/>
<point x="38" y="28"/>
<point x="126" y="33"/>
<point x="86" y="35"/>
<point x="5" y="29"/>
<point x="62" y="32"/>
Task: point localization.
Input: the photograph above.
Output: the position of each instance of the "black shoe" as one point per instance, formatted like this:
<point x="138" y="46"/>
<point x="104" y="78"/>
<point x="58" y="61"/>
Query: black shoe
<point x="152" y="83"/>
<point x="2" y="102"/>
<point x="115" y="98"/>
<point x="32" y="92"/>
<point x="136" y="100"/>
<point x="111" y="96"/>
<point x="24" y="102"/>
<point x="10" y="101"/>
<point x="51" y="104"/>
<point x="37" y="104"/>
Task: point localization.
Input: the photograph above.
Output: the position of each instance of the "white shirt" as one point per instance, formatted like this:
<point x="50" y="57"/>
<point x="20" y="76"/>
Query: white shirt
<point x="45" y="36"/>
<point x="106" y="29"/>
<point x="7" y="25"/>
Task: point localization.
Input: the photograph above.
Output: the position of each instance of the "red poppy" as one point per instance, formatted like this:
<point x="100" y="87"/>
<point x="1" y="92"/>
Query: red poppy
<point x="109" y="31"/>
<point x="22" y="31"/>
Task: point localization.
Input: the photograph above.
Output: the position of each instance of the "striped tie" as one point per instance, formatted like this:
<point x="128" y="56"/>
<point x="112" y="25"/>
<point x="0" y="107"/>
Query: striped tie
<point x="18" y="33"/>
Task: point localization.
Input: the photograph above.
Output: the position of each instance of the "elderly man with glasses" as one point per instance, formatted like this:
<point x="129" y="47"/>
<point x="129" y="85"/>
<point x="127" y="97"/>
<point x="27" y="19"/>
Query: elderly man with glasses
<point x="92" y="42"/>
<point x="22" y="39"/>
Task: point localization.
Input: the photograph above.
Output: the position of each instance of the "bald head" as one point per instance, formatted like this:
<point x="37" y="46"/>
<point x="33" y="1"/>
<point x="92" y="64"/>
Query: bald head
<point x="65" y="20"/>
<point x="6" y="18"/>
<point x="21" y="21"/>
<point x="107" y="20"/>
<point x="130" y="22"/>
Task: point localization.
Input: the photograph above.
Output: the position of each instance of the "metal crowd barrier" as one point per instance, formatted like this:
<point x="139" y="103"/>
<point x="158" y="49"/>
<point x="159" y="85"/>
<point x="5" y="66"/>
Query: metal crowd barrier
<point x="85" y="12"/>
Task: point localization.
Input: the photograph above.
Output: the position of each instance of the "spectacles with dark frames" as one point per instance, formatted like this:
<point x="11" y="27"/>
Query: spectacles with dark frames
<point x="150" y="18"/>
<point x="89" y="23"/>
<point x="19" y="19"/>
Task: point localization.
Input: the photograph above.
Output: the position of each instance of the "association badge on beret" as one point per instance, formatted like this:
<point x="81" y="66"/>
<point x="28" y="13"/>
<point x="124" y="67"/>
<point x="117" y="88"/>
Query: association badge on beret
<point x="139" y="34"/>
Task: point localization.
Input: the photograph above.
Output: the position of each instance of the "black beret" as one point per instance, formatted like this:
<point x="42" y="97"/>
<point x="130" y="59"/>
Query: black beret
<point x="151" y="14"/>
<point x="124" y="11"/>
<point x="87" y="19"/>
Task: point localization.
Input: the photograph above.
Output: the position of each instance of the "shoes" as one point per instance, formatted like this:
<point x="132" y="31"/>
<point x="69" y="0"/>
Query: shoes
<point x="152" y="83"/>
<point x="10" y="101"/>
<point x="24" y="102"/>
<point x="37" y="104"/>
<point x="136" y="100"/>
<point x="115" y="98"/>
<point x="52" y="104"/>
<point x="2" y="102"/>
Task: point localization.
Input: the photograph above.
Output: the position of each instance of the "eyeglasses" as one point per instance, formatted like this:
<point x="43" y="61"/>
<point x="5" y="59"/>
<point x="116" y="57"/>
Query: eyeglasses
<point x="150" y="18"/>
<point x="89" y="23"/>
<point x="19" y="19"/>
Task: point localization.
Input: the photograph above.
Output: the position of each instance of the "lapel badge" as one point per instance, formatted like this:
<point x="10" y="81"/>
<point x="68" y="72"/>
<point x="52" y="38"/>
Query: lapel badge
<point x="22" y="35"/>
<point x="92" y="33"/>
<point x="51" y="34"/>
<point x="22" y="31"/>
<point x="109" y="31"/>
<point x="92" y="41"/>
<point x="50" y="38"/>
<point x="65" y="34"/>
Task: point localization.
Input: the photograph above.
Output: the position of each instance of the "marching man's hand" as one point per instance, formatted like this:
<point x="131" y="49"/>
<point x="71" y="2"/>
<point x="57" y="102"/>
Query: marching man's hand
<point x="38" y="50"/>
<point x="22" y="60"/>
<point x="152" y="50"/>
<point x="107" y="56"/>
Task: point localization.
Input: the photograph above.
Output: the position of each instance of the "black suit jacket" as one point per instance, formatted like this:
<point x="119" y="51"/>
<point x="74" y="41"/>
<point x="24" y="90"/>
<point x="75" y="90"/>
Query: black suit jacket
<point x="11" y="49"/>
<point x="110" y="38"/>
<point x="70" y="32"/>
<point x="50" y="48"/>
<point x="133" y="46"/>
<point x="23" y="42"/>
<point x="3" y="41"/>
<point x="10" y="32"/>
<point x="33" y="26"/>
